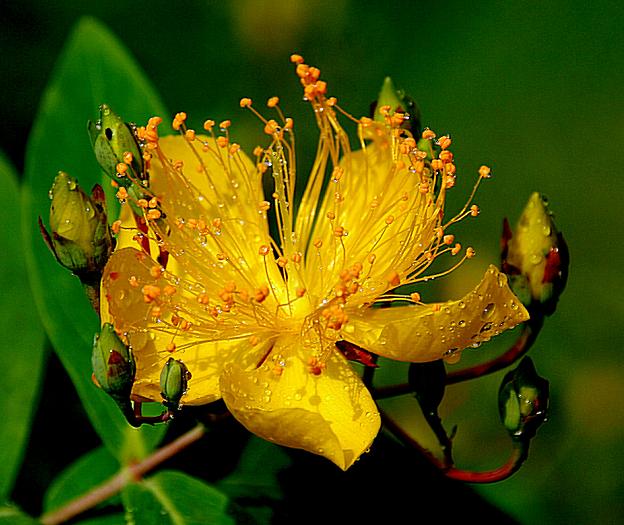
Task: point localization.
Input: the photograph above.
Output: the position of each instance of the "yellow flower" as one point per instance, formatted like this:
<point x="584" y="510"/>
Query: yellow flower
<point x="255" y="319"/>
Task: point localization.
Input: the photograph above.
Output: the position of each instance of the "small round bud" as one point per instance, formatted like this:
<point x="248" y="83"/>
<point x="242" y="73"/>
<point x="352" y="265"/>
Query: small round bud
<point x="174" y="379"/>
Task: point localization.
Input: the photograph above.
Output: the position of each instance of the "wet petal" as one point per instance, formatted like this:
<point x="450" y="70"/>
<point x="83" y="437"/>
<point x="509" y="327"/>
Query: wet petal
<point x="385" y="218"/>
<point x="331" y="414"/>
<point x="426" y="333"/>
<point x="161" y="320"/>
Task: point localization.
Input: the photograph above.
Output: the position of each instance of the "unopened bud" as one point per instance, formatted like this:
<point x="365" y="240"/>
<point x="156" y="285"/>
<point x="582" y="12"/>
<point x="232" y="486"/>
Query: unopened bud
<point x="112" y="139"/>
<point x="80" y="237"/>
<point x="173" y="382"/>
<point x="113" y="364"/>
<point x="535" y="256"/>
<point x="428" y="381"/>
<point x="398" y="101"/>
<point x="523" y="400"/>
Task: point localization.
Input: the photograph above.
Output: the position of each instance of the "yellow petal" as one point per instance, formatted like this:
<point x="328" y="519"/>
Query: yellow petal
<point x="383" y="215"/>
<point x="426" y="333"/>
<point x="211" y="204"/>
<point x="331" y="414"/>
<point x="152" y="334"/>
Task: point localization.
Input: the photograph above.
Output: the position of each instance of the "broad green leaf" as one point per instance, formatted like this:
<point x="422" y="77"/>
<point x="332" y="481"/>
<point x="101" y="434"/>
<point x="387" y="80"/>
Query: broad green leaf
<point x="87" y="472"/>
<point x="256" y="475"/>
<point x="23" y="338"/>
<point x="10" y="515"/>
<point x="174" y="498"/>
<point x="94" y="68"/>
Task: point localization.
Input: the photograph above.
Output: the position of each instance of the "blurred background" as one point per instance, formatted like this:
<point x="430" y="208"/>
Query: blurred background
<point x="533" y="89"/>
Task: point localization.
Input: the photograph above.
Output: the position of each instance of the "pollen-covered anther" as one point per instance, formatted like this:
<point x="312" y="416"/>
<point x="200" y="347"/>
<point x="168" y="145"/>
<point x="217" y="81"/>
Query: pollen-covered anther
<point x="156" y="311"/>
<point x="446" y="156"/>
<point x="428" y="134"/>
<point x="178" y="120"/>
<point x="234" y="148"/>
<point x="300" y="292"/>
<point x="448" y="239"/>
<point x="485" y="172"/>
<point x="451" y="169"/>
<point x="152" y="215"/>
<point x="339" y="231"/>
<point x="444" y="142"/>
<point x="296" y="257"/>
<point x="258" y="151"/>
<point x="272" y="102"/>
<point x="282" y="261"/>
<point x="264" y="250"/>
<point x="245" y="102"/>
<point x="203" y="298"/>
<point x="209" y="124"/>
<point x="264" y="206"/>
<point x="171" y="348"/>
<point x="189" y="135"/>
<point x="254" y="340"/>
<point x="296" y="59"/>
<point x="261" y="293"/>
<point x="415" y="297"/>
<point x="456" y="249"/>
<point x="133" y="281"/>
<point x="470" y="252"/>
<point x="393" y="278"/>
<point x="474" y="210"/>
<point x="142" y="203"/>
<point x="389" y="220"/>
<point x="225" y="124"/>
<point x="169" y="290"/>
<point x="121" y="169"/>
<point x="116" y="227"/>
<point x="331" y="215"/>
<point x="318" y="243"/>
<point x="272" y="127"/>
<point x="156" y="271"/>
<point x="437" y="164"/>
<point x="397" y="119"/>
<point x="316" y="366"/>
<point x="122" y="194"/>
<point x="331" y="101"/>
<point x="150" y="292"/>
<point x="222" y="142"/>
<point x="288" y="124"/>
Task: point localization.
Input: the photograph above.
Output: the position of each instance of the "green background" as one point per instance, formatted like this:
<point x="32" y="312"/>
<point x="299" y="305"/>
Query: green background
<point x="533" y="89"/>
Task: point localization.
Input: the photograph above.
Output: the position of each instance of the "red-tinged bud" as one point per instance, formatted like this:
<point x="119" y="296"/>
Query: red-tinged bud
<point x="535" y="256"/>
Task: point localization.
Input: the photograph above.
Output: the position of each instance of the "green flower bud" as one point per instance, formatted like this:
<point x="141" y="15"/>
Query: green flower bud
<point x="173" y="382"/>
<point x="113" y="364"/>
<point x="535" y="256"/>
<point x="397" y="100"/>
<point x="523" y="400"/>
<point x="111" y="139"/>
<point x="80" y="237"/>
<point x="428" y="382"/>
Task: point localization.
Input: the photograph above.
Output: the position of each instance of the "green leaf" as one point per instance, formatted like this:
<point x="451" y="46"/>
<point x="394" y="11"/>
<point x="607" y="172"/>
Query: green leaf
<point x="87" y="472"/>
<point x="174" y="498"/>
<point x="256" y="476"/>
<point x="10" y="515"/>
<point x="93" y="68"/>
<point x="23" y="337"/>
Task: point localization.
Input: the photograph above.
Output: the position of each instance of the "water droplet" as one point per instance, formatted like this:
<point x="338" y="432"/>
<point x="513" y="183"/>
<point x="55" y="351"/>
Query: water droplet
<point x="486" y="327"/>
<point x="461" y="323"/>
<point x="461" y="304"/>
<point x="488" y="311"/>
<point x="536" y="258"/>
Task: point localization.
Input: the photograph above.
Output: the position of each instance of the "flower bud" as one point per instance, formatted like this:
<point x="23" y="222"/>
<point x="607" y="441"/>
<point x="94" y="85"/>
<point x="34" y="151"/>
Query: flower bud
<point x="80" y="237"/>
<point x="523" y="401"/>
<point x="113" y="364"/>
<point x="173" y="382"/>
<point x="399" y="101"/>
<point x="111" y="138"/>
<point x="428" y="381"/>
<point x="535" y="256"/>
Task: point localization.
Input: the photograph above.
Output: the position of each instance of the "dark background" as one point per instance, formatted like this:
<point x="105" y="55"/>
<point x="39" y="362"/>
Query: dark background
<point x="533" y="89"/>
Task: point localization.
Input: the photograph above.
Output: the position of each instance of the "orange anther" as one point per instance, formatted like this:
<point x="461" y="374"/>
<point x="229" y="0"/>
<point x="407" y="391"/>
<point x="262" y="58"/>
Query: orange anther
<point x="444" y="142"/>
<point x="209" y="124"/>
<point x="272" y="102"/>
<point x="415" y="297"/>
<point x="121" y="168"/>
<point x="264" y="250"/>
<point x="296" y="59"/>
<point x="470" y="253"/>
<point x="393" y="278"/>
<point x="189" y="134"/>
<point x="245" y="102"/>
<point x="485" y="172"/>
<point x="428" y="134"/>
<point x="456" y="249"/>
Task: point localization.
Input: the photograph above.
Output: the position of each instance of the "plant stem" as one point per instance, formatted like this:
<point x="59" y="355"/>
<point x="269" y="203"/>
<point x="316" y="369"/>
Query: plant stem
<point x="527" y="337"/>
<point x="129" y="474"/>
<point x="519" y="454"/>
